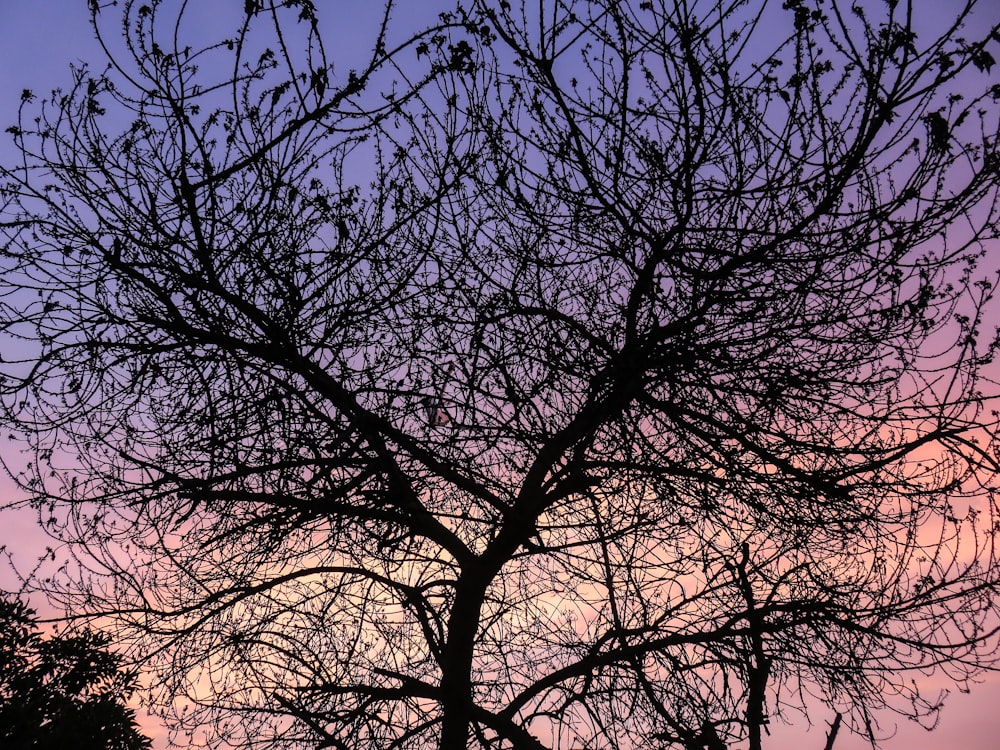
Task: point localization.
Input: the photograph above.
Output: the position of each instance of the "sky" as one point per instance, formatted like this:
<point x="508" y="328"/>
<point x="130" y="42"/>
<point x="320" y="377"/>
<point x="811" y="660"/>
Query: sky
<point x="38" y="41"/>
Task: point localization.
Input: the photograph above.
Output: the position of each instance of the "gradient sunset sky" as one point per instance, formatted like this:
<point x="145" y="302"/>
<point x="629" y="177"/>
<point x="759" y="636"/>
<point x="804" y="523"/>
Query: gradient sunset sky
<point x="39" y="39"/>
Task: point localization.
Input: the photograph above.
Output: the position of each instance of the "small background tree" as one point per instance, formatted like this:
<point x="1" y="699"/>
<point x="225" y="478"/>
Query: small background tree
<point x="63" y="690"/>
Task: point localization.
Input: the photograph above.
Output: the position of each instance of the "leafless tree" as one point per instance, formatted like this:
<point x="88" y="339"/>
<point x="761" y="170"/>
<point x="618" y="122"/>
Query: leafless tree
<point x="565" y="374"/>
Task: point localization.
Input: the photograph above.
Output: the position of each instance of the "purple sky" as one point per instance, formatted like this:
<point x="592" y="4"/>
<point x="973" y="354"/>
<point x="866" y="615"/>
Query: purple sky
<point x="39" y="38"/>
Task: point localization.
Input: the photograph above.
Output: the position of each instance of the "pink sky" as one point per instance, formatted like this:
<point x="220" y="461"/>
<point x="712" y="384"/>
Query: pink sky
<point x="39" y="38"/>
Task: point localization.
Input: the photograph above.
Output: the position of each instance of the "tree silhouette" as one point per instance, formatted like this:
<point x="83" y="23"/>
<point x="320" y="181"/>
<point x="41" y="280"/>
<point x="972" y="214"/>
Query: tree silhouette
<point x="564" y="374"/>
<point x="62" y="691"/>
